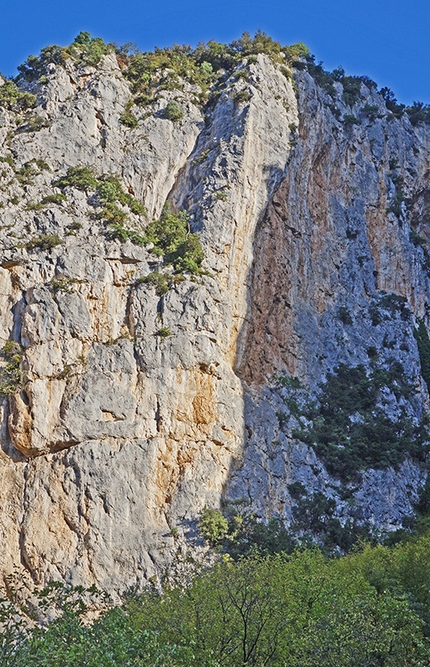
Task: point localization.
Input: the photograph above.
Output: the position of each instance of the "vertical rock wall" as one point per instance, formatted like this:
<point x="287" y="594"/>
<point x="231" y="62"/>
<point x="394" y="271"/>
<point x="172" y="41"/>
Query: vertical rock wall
<point x="120" y="434"/>
<point x="137" y="408"/>
<point x="330" y="254"/>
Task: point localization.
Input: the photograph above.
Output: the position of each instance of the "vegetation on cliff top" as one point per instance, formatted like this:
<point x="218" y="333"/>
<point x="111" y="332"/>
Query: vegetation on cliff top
<point x="204" y="67"/>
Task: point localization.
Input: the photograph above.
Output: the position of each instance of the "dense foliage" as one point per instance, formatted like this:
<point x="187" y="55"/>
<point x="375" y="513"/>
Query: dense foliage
<point x="10" y="372"/>
<point x="86" y="50"/>
<point x="349" y="427"/>
<point x="12" y="97"/>
<point x="423" y="342"/>
<point x="205" y="67"/>
<point x="302" y="610"/>
<point x="171" y="236"/>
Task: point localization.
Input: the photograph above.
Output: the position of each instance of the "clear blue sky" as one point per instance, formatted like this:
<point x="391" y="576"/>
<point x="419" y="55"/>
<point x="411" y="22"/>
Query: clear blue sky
<point x="388" y="40"/>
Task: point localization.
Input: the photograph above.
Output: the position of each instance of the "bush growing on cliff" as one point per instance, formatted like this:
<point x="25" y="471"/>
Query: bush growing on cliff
<point x="172" y="238"/>
<point x="159" y="280"/>
<point x="129" y="119"/>
<point x="110" y="191"/>
<point x="418" y="113"/>
<point x="213" y="526"/>
<point x="11" y="96"/>
<point x="110" y="194"/>
<point x="391" y="102"/>
<point x="349" y="120"/>
<point x="89" y="50"/>
<point x="173" y="111"/>
<point x="36" y="66"/>
<point x="44" y="242"/>
<point x="82" y="178"/>
<point x="10" y="373"/>
<point x="204" y="66"/>
<point x="351" y="431"/>
<point x="423" y="342"/>
<point x="85" y="49"/>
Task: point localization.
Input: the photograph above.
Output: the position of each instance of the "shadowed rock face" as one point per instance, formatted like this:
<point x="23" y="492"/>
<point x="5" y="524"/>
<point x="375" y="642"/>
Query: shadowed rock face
<point x="117" y="434"/>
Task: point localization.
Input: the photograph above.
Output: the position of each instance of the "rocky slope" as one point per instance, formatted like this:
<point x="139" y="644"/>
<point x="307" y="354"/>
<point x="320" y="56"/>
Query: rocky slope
<point x="126" y="408"/>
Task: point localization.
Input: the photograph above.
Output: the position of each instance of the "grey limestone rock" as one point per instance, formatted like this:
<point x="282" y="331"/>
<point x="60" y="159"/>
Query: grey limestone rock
<point x="136" y="409"/>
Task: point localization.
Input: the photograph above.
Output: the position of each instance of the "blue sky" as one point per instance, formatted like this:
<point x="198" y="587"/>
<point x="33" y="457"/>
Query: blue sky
<point x="386" y="40"/>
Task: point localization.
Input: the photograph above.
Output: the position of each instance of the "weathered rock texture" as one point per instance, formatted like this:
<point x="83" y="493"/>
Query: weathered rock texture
<point x="117" y="434"/>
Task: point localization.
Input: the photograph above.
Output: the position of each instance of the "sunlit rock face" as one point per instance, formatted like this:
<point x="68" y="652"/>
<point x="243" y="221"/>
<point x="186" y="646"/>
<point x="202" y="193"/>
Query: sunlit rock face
<point x="135" y="409"/>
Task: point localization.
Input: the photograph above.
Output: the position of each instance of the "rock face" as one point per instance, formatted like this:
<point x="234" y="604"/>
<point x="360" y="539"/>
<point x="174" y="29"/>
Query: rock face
<point x="137" y="409"/>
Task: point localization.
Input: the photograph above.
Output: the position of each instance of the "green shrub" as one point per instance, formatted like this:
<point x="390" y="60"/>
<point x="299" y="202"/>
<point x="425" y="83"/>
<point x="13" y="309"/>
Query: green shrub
<point x="260" y="43"/>
<point x="36" y="66"/>
<point x="114" y="216"/>
<point x="81" y="178"/>
<point x="74" y="227"/>
<point x="213" y="526"/>
<point x="423" y="342"/>
<point x="314" y="519"/>
<point x="282" y="379"/>
<point x="204" y="66"/>
<point x="8" y="160"/>
<point x="391" y="102"/>
<point x="86" y="50"/>
<point x="417" y="113"/>
<point x="34" y="124"/>
<point x="128" y="119"/>
<point x="349" y="120"/>
<point x="375" y="314"/>
<point x="286" y="72"/>
<point x="25" y="174"/>
<point x="172" y="238"/>
<point x="344" y="315"/>
<point x="399" y="196"/>
<point x="89" y="50"/>
<point x="118" y="231"/>
<point x="110" y="191"/>
<point x="34" y="206"/>
<point x="206" y="69"/>
<point x="173" y="111"/>
<point x="44" y="242"/>
<point x="371" y="111"/>
<point x="351" y="88"/>
<point x="159" y="280"/>
<point x="57" y="198"/>
<point x="163" y="332"/>
<point x="220" y="195"/>
<point x="61" y="285"/>
<point x="242" y="97"/>
<point x="11" y="374"/>
<point x="321" y="76"/>
<point x="11" y="96"/>
<point x="241" y="74"/>
<point x="417" y="240"/>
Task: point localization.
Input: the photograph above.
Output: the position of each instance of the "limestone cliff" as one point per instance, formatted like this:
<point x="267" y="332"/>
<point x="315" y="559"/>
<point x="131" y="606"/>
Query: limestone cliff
<point x="126" y="408"/>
